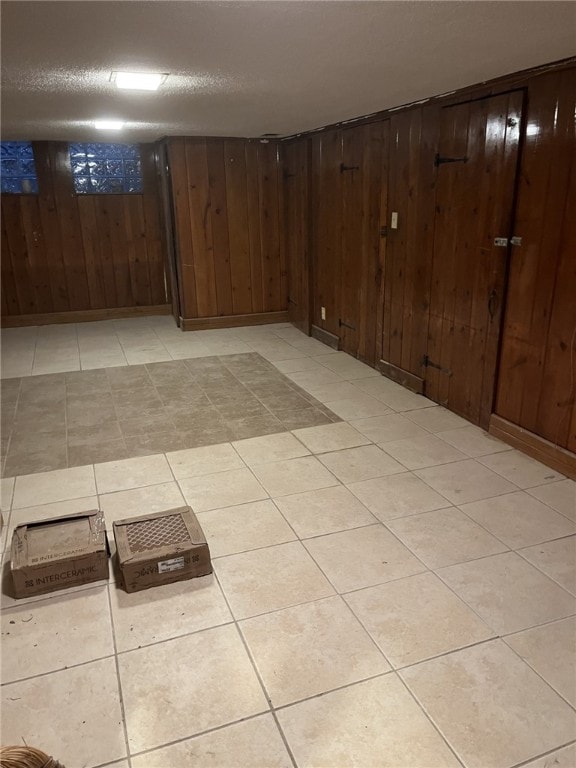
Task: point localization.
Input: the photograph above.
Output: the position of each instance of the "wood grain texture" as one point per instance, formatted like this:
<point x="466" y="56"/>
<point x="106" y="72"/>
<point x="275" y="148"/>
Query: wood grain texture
<point x="536" y="387"/>
<point x="228" y="222"/>
<point x="63" y="252"/>
<point x="296" y="231"/>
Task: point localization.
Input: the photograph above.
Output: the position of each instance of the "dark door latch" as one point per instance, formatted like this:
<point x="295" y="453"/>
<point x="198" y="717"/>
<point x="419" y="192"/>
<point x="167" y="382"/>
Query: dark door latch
<point x="439" y="160"/>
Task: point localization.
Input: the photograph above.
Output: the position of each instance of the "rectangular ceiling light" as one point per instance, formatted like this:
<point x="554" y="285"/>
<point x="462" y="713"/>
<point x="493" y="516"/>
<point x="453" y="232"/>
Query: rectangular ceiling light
<point x="109" y="125"/>
<point x="138" y="81"/>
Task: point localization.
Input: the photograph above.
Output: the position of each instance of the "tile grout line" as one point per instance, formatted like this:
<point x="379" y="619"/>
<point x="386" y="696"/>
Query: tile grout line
<point x="549" y="753"/>
<point x="118" y="679"/>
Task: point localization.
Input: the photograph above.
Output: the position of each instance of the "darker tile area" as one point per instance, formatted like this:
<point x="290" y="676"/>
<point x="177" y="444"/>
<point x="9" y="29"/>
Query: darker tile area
<point x="82" y="417"/>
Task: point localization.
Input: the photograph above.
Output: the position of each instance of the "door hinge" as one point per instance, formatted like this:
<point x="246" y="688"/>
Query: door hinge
<point x="383" y="231"/>
<point x="515" y="240"/>
<point x="348" y="167"/>
<point x="291" y="301"/>
<point x="427" y="363"/>
<point x="501" y="242"/>
<point x="439" y="160"/>
<point x="346" y="325"/>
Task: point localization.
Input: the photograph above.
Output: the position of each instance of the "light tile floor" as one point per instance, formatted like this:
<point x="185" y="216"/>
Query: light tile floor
<point x="397" y="590"/>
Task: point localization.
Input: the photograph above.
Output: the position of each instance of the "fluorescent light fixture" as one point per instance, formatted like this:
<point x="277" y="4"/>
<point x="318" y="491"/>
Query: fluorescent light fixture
<point x="138" y="81"/>
<point x="109" y="125"/>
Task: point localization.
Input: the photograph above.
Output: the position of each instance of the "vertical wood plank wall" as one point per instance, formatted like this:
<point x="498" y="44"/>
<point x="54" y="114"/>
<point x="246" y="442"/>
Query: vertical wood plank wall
<point x="63" y="252"/>
<point x="228" y="206"/>
<point x="537" y="382"/>
<point x="536" y="379"/>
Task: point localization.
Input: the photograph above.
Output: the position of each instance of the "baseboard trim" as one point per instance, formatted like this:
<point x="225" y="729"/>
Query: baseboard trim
<point x="232" y="321"/>
<point x="405" y="378"/>
<point x="330" y="339"/>
<point x="84" y="315"/>
<point x="554" y="456"/>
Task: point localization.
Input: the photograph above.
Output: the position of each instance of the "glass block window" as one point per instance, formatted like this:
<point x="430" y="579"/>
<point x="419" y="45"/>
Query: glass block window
<point x="106" y="168"/>
<point x="18" y="168"/>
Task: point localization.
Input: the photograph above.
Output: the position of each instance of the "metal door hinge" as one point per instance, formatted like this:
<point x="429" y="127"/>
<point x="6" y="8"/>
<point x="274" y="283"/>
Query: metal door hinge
<point x="427" y="363"/>
<point x="439" y="160"/>
<point x="291" y="301"/>
<point x="516" y="240"/>
<point x="383" y="231"/>
<point x="501" y="242"/>
<point x="348" y="167"/>
<point x="346" y="325"/>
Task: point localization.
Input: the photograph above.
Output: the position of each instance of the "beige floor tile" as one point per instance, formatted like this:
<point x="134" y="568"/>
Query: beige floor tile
<point x="551" y="651"/>
<point x="473" y="441"/>
<point x="388" y="428"/>
<point x="520" y="469"/>
<point x="437" y="419"/>
<point x="327" y="510"/>
<point x="373" y="723"/>
<point x="445" y="537"/>
<point x="205" y="460"/>
<point x="254" y="743"/>
<point x="47" y="511"/>
<point x="153" y="615"/>
<point x="263" y="450"/>
<point x="508" y="593"/>
<point x="313" y="347"/>
<point x="297" y="364"/>
<point x="478" y="699"/>
<point x="132" y="473"/>
<point x="363" y="557"/>
<point x="561" y="496"/>
<point x="74" y="714"/>
<point x="34" y="640"/>
<point x="557" y="559"/>
<point x="561" y="758"/>
<point x="57" y="485"/>
<point x="397" y="495"/>
<point x="294" y="476"/>
<point x="244" y="527"/>
<point x="176" y="689"/>
<point x="140" y="501"/>
<point x="355" y="464"/>
<point x="327" y="393"/>
<point x="224" y="489"/>
<point x="465" y="481"/>
<point x="270" y="579"/>
<point x="393" y="395"/>
<point x="310" y="380"/>
<point x="331" y="437"/>
<point x="419" y="452"/>
<point x="311" y="649"/>
<point x="416" y="618"/>
<point x="519" y="520"/>
<point x="346" y="365"/>
<point x="359" y="406"/>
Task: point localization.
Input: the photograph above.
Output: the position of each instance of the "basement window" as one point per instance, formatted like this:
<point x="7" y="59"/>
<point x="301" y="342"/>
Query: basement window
<point x="18" y="168"/>
<point x="106" y="169"/>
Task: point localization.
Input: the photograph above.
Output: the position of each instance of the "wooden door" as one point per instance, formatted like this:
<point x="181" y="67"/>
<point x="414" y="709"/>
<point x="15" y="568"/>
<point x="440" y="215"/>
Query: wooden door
<point x="364" y="213"/>
<point x="476" y="175"/>
<point x="163" y="170"/>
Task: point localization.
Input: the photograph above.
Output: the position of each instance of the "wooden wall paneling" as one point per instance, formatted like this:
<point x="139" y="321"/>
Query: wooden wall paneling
<point x="296" y="226"/>
<point x="374" y="206"/>
<point x="353" y="181"/>
<point x="327" y="228"/>
<point x="138" y="251"/>
<point x="220" y="234"/>
<point x="35" y="251"/>
<point x="183" y="227"/>
<point x="238" y="206"/>
<point x="523" y="397"/>
<point x="201" y="221"/>
<point x="168" y="233"/>
<point x="10" y="303"/>
<point x="12" y="224"/>
<point x="152" y="245"/>
<point x="255" y="245"/>
<point x="383" y="299"/>
<point x="92" y="246"/>
<point x="272" y="254"/>
<point x="49" y="218"/>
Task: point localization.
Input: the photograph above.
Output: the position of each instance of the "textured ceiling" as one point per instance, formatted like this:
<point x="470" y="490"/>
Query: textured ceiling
<point x="250" y="68"/>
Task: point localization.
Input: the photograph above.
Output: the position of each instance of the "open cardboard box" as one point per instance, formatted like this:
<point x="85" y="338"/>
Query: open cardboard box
<point x="59" y="553"/>
<point x="160" y="548"/>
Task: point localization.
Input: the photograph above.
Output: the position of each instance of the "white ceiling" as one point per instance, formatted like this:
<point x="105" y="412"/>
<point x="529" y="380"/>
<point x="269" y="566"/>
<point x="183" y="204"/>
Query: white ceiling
<point x="250" y="68"/>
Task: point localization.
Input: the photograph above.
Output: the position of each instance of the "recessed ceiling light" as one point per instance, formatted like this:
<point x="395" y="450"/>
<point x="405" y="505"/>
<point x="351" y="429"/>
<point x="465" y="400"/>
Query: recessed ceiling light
<point x="138" y="81"/>
<point x="109" y="125"/>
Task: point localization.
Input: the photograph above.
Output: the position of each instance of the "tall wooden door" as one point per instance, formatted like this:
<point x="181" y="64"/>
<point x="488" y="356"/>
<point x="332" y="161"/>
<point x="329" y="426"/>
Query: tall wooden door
<point x="296" y="200"/>
<point x="476" y="176"/>
<point x="364" y="179"/>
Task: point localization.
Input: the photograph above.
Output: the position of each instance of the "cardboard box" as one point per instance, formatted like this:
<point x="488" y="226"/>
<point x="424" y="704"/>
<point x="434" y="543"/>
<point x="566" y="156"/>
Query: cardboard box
<point x="59" y="553"/>
<point x="161" y="548"/>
